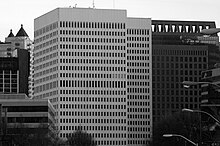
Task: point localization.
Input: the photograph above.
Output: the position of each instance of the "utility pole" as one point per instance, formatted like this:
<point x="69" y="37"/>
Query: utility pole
<point x="6" y="121"/>
<point x="1" y="131"/>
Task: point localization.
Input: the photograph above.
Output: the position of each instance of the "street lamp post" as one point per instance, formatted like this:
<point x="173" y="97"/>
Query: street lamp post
<point x="198" y="111"/>
<point x="216" y="87"/>
<point x="187" y="84"/>
<point x="177" y="135"/>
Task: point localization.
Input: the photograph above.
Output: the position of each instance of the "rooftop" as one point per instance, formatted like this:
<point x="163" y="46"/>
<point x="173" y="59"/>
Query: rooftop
<point x="21" y="32"/>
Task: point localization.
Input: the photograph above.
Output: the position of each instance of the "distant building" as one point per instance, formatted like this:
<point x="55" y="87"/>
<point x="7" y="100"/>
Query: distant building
<point x="16" y="64"/>
<point x="22" y="115"/>
<point x="180" y="53"/>
<point x="95" y="67"/>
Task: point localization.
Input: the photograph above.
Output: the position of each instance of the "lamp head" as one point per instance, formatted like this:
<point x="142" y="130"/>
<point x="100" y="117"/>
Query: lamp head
<point x="187" y="84"/>
<point x="167" y="135"/>
<point x="187" y="110"/>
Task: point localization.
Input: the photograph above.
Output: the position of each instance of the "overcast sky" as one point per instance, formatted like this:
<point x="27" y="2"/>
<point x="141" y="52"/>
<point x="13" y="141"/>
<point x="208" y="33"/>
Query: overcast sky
<point x="17" y="12"/>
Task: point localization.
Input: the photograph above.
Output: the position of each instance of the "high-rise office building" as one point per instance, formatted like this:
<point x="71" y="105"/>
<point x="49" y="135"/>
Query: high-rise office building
<point x="180" y="53"/>
<point x="16" y="64"/>
<point x="95" y="67"/>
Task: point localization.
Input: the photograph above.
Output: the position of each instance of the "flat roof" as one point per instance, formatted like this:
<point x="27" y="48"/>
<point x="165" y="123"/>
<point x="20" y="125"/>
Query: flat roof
<point x="21" y="100"/>
<point x="13" y="96"/>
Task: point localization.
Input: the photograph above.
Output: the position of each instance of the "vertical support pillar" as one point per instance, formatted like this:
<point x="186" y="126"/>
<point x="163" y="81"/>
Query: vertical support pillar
<point x="197" y="29"/>
<point x="183" y="28"/>
<point x="156" y="28"/>
<point x="170" y="28"/>
<point x="190" y="29"/>
<point x="176" y="28"/>
<point x="163" y="28"/>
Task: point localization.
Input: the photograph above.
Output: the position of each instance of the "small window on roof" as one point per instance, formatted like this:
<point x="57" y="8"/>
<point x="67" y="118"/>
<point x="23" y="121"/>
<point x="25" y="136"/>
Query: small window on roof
<point x="17" y="44"/>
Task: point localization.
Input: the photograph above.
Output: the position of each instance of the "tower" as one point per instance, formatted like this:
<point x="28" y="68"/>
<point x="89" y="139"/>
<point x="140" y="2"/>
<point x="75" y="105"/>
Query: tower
<point x="15" y="73"/>
<point x="94" y="66"/>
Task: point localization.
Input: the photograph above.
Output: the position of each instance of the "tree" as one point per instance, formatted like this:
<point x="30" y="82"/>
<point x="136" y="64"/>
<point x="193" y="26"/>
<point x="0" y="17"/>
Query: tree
<point x="81" y="138"/>
<point x="182" y="123"/>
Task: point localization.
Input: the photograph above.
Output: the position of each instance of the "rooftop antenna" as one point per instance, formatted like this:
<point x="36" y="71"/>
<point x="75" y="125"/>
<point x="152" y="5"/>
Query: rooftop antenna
<point x="113" y="4"/>
<point x="93" y="4"/>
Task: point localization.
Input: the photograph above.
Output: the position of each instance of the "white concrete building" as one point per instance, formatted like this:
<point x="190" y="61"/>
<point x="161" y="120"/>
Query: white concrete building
<point x="95" y="67"/>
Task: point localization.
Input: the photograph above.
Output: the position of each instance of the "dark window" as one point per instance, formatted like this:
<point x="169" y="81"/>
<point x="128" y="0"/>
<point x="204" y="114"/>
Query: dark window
<point x="27" y="119"/>
<point x="27" y="108"/>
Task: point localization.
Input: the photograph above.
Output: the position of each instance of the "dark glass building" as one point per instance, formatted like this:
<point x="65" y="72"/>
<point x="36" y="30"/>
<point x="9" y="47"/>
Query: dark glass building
<point x="180" y="53"/>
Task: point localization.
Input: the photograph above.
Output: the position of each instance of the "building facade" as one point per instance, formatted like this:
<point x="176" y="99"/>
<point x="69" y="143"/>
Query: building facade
<point x="95" y="67"/>
<point x="16" y="68"/>
<point x="180" y="53"/>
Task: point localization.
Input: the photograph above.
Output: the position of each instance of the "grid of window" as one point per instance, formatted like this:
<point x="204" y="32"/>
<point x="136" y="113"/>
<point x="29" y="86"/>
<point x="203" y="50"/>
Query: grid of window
<point x="9" y="81"/>
<point x="138" y="75"/>
<point x="93" y="62"/>
<point x="45" y="63"/>
<point x="170" y="68"/>
<point x="101" y="25"/>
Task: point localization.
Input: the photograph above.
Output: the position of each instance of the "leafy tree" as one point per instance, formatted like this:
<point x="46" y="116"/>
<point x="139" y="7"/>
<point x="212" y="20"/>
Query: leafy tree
<point x="81" y="138"/>
<point x="182" y="123"/>
<point x="21" y="135"/>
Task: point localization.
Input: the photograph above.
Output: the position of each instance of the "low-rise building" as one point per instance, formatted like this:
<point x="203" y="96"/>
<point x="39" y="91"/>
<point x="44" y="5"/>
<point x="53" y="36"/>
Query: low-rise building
<point x="24" y="117"/>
